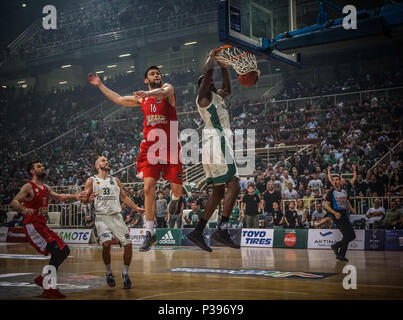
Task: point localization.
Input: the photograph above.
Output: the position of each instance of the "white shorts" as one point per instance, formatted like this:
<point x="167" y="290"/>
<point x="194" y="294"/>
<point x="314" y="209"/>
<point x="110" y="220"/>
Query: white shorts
<point x="218" y="161"/>
<point x="108" y="225"/>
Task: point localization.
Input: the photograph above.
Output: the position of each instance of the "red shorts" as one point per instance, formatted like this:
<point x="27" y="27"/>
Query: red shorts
<point x="39" y="235"/>
<point x="171" y="171"/>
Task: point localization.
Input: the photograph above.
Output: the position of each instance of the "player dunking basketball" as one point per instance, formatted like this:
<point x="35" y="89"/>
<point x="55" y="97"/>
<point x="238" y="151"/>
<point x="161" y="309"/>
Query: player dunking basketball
<point x="158" y="107"/>
<point x="35" y="197"/>
<point x="218" y="159"/>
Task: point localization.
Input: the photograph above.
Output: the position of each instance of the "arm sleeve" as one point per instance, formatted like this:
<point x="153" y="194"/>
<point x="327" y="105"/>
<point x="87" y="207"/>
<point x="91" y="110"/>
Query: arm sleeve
<point x="329" y="196"/>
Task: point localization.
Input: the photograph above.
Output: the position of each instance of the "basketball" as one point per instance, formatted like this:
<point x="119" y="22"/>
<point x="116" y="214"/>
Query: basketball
<point x="248" y="79"/>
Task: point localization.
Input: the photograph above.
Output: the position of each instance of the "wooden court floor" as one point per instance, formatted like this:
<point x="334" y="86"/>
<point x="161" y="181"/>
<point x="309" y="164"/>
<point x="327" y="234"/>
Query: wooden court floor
<point x="379" y="274"/>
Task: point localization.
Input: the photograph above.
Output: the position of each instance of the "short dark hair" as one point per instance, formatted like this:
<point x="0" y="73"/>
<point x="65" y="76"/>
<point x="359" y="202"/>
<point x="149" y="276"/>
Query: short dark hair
<point x="30" y="166"/>
<point x="151" y="68"/>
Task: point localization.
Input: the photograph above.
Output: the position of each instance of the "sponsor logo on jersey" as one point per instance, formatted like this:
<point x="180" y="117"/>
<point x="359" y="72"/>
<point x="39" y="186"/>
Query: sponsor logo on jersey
<point x="264" y="273"/>
<point x="155" y="119"/>
<point x="105" y="198"/>
<point x="167" y="238"/>
<point x="158" y="100"/>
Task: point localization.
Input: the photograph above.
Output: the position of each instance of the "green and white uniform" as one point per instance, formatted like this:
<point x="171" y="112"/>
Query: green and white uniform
<point x="108" y="217"/>
<point x="217" y="153"/>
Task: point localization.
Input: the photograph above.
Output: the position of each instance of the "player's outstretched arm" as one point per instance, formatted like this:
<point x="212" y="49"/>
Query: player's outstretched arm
<point x="61" y="197"/>
<point x="127" y="200"/>
<point x="127" y="101"/>
<point x="16" y="203"/>
<point x="87" y="195"/>
<point x="204" y="97"/>
<point x="166" y="91"/>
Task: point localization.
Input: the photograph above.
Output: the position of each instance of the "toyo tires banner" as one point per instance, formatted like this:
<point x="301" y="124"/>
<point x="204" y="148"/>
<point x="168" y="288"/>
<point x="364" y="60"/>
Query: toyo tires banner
<point x="290" y="238"/>
<point x="74" y="235"/>
<point x="324" y="238"/>
<point x="257" y="238"/>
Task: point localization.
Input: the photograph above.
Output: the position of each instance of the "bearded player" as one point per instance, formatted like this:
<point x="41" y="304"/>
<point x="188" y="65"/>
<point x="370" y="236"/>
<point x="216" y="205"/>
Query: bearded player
<point x="160" y="148"/>
<point x="34" y="196"/>
<point x="106" y="192"/>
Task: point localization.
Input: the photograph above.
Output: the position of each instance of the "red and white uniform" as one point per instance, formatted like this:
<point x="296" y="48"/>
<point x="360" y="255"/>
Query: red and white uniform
<point x="35" y="228"/>
<point x="159" y="114"/>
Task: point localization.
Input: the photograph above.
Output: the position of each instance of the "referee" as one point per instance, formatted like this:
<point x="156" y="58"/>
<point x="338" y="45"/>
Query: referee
<point x="337" y="204"/>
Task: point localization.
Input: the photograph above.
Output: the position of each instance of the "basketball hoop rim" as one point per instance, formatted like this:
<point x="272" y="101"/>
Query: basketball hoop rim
<point x="227" y="46"/>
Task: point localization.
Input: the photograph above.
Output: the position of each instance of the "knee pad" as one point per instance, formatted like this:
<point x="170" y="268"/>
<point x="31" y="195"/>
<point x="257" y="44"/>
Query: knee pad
<point x="57" y="255"/>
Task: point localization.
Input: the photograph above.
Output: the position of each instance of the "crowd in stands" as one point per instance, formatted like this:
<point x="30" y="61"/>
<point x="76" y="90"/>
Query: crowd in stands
<point x="367" y="81"/>
<point x="96" y="21"/>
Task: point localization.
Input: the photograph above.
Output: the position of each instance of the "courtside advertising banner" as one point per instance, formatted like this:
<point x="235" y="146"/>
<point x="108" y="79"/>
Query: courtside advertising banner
<point x="16" y="235"/>
<point x="290" y="238"/>
<point x="74" y="235"/>
<point x="3" y="234"/>
<point x="235" y="234"/>
<point x="374" y="239"/>
<point x="186" y="242"/>
<point x="169" y="237"/>
<point x="393" y="240"/>
<point x="137" y="235"/>
<point x="257" y="238"/>
<point x="324" y="238"/>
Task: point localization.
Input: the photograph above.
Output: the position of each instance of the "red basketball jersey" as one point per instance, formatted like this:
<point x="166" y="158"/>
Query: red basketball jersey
<point x="159" y="114"/>
<point x="39" y="203"/>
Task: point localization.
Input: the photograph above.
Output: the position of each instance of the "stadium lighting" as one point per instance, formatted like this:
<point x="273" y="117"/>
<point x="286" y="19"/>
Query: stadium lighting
<point x="62" y="82"/>
<point x="101" y="71"/>
<point x="132" y="67"/>
<point x="129" y="71"/>
<point x="24" y="5"/>
<point x="112" y="66"/>
<point x="160" y="66"/>
<point x="190" y="43"/>
<point x="66" y="66"/>
<point x="22" y="81"/>
<point x="278" y="69"/>
<point x="4" y="87"/>
<point x="125" y="55"/>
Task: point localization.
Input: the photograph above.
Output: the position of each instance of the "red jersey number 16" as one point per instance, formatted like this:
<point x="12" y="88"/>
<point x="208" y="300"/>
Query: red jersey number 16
<point x="153" y="108"/>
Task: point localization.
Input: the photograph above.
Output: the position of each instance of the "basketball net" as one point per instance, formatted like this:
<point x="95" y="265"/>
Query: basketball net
<point x="243" y="62"/>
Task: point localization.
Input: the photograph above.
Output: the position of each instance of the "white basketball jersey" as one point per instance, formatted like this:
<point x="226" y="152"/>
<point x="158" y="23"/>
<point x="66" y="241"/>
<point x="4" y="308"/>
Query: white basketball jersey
<point x="215" y="117"/>
<point x="107" y="202"/>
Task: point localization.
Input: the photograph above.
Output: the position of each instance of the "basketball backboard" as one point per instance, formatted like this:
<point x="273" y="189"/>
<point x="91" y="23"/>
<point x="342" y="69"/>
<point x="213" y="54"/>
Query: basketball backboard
<point x="251" y="25"/>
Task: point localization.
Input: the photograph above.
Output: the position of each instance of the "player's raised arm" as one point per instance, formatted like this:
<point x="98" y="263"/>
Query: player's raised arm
<point x="204" y="97"/>
<point x="16" y="203"/>
<point x="225" y="90"/>
<point x="127" y="200"/>
<point x="127" y="101"/>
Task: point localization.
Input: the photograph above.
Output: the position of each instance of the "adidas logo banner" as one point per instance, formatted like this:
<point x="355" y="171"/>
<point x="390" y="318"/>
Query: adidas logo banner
<point x="170" y="237"/>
